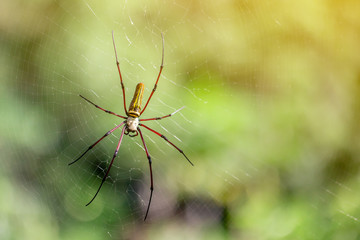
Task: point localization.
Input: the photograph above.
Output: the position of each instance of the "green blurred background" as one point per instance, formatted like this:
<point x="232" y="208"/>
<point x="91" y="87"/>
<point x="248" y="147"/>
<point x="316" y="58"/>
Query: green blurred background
<point x="272" y="96"/>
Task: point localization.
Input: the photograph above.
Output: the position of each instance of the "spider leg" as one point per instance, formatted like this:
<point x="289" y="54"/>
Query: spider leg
<point x="161" y="68"/>
<point x="159" y="134"/>
<point x="151" y="175"/>
<point x="107" y="111"/>
<point x="118" y="67"/>
<point x="159" y="118"/>
<point x="108" y="170"/>
<point x="106" y="134"/>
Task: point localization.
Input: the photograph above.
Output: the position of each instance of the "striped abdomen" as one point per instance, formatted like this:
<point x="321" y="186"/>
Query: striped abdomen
<point x="135" y="105"/>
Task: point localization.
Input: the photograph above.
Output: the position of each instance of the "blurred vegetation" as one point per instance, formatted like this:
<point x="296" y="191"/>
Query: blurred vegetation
<point x="272" y="96"/>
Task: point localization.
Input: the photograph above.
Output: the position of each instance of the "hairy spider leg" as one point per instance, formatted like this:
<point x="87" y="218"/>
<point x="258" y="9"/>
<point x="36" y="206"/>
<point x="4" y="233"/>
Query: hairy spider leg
<point x="159" y="118"/>
<point x="97" y="106"/>
<point x="161" y="68"/>
<point x="151" y="175"/>
<point x="162" y="136"/>
<point x="118" y="67"/>
<point x="91" y="146"/>
<point x="108" y="170"/>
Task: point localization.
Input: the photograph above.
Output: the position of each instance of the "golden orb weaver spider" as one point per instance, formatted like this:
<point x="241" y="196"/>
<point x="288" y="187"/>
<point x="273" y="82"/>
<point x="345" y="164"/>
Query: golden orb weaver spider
<point x="132" y="124"/>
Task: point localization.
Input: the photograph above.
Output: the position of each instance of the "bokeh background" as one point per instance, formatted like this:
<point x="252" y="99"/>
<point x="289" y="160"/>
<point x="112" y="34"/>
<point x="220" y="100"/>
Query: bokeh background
<point x="271" y="91"/>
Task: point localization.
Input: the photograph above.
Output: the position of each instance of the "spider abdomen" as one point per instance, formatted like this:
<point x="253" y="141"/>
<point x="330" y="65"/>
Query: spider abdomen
<point x="135" y="105"/>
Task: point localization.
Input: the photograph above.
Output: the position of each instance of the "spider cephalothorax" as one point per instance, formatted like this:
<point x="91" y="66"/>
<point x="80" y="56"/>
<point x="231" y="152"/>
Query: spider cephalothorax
<point x="132" y="124"/>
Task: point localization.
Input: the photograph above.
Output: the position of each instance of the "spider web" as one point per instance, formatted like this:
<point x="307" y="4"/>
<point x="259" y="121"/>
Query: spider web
<point x="272" y="131"/>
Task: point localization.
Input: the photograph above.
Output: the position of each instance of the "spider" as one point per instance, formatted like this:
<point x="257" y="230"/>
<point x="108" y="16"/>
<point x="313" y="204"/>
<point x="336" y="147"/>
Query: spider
<point x="131" y="124"/>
